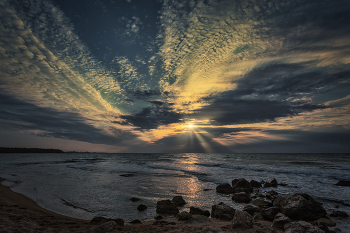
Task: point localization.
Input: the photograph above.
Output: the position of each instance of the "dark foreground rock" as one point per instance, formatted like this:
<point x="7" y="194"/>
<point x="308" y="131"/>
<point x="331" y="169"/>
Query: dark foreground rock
<point x="166" y="207"/>
<point x="280" y="220"/>
<point x="225" y="188"/>
<point x="178" y="201"/>
<point x="301" y="227"/>
<point x="222" y="211"/>
<point x="343" y="183"/>
<point x="242" y="219"/>
<point x="300" y="206"/>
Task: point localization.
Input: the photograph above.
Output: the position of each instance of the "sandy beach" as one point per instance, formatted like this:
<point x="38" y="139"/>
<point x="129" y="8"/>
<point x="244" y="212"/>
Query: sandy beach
<point x="18" y="214"/>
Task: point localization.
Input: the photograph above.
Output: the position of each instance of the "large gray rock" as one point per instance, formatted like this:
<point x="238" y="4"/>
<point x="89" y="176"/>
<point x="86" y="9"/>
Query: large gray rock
<point x="241" y="197"/>
<point x="242" y="219"/>
<point x="166" y="207"/>
<point x="225" y="188"/>
<point x="103" y="228"/>
<point x="300" y="206"/>
<point x="222" y="211"/>
<point x="242" y="183"/>
<point x="280" y="220"/>
<point x="301" y="227"/>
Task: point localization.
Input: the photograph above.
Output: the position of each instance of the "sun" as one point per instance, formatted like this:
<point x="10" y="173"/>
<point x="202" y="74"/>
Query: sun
<point x="190" y="126"/>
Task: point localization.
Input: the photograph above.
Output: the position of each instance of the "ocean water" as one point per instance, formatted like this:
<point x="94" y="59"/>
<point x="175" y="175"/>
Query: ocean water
<point x="85" y="185"/>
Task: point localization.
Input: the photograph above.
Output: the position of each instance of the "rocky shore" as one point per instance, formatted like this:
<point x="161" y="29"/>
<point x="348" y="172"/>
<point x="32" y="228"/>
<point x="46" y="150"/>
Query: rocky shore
<point x="264" y="212"/>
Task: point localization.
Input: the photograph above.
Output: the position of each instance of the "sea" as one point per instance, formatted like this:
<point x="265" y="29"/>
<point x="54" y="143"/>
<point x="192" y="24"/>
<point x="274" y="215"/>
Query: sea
<point x="87" y="185"/>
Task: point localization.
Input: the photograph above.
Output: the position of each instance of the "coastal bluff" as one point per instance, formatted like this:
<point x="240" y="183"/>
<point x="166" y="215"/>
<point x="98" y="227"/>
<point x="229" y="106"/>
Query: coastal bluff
<point x="28" y="150"/>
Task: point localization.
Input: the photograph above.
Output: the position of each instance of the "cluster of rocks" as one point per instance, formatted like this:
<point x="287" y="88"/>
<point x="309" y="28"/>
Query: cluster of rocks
<point x="293" y="213"/>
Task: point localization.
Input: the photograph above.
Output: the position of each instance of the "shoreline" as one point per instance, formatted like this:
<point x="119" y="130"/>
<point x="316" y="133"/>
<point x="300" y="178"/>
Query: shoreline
<point x="19" y="213"/>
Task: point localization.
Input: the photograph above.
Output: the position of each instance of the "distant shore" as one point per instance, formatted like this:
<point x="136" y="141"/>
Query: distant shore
<point x="28" y="150"/>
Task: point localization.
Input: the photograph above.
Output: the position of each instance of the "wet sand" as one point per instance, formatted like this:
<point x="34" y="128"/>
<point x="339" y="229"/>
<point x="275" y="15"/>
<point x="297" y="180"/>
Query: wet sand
<point x="19" y="213"/>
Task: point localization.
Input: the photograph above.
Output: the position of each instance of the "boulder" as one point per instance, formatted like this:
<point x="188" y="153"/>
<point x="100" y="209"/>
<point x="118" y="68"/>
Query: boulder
<point x="338" y="213"/>
<point x="255" y="184"/>
<point x="224" y="188"/>
<point x="269" y="213"/>
<point x="251" y="209"/>
<point x="141" y="207"/>
<point x="325" y="221"/>
<point x="242" y="219"/>
<point x="103" y="228"/>
<point x="241" y="197"/>
<point x="300" y="206"/>
<point x="184" y="216"/>
<point x="198" y="211"/>
<point x="301" y="227"/>
<point x="222" y="211"/>
<point x="242" y="183"/>
<point x="166" y="207"/>
<point x="178" y="201"/>
<point x="343" y="183"/>
<point x="272" y="183"/>
<point x="280" y="220"/>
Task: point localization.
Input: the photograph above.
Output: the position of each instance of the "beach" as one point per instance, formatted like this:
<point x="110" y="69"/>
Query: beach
<point x="21" y="214"/>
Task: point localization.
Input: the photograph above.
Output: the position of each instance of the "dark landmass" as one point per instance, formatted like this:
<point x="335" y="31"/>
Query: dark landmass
<point x="28" y="150"/>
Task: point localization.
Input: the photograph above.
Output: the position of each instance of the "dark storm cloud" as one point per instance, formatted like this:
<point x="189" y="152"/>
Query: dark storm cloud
<point x="296" y="141"/>
<point x="20" y="115"/>
<point x="152" y="117"/>
<point x="275" y="90"/>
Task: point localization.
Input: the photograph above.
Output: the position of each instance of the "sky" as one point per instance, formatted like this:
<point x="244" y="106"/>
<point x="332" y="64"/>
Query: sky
<point x="173" y="76"/>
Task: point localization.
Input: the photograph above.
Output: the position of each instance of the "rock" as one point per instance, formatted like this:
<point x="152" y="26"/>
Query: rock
<point x="251" y="209"/>
<point x="183" y="216"/>
<point x="272" y="183"/>
<point x="280" y="220"/>
<point x="141" y="207"/>
<point x="325" y="221"/>
<point x="198" y="219"/>
<point x="262" y="228"/>
<point x="269" y="213"/>
<point x="338" y="213"/>
<point x="166" y="207"/>
<point x="261" y="202"/>
<point x="301" y="227"/>
<point x="242" y="219"/>
<point x="198" y="211"/>
<point x="103" y="228"/>
<point x="136" y="221"/>
<point x="273" y="193"/>
<point x="127" y="175"/>
<point x="218" y="210"/>
<point x="205" y="190"/>
<point x="343" y="183"/>
<point x="224" y="188"/>
<point x="255" y="184"/>
<point x="300" y="206"/>
<point x="209" y="229"/>
<point x="241" y="190"/>
<point x="158" y="217"/>
<point x="242" y="183"/>
<point x="322" y="226"/>
<point x="134" y="199"/>
<point x="241" y="197"/>
<point x="119" y="221"/>
<point x="178" y="201"/>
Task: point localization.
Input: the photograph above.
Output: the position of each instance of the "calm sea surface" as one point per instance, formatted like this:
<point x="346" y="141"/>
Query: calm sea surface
<point x="85" y="185"/>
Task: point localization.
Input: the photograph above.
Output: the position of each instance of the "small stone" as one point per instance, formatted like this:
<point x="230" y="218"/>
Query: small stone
<point x="251" y="209"/>
<point x="272" y="183"/>
<point x="280" y="220"/>
<point x="338" y="213"/>
<point x="136" y="221"/>
<point x="166" y="207"/>
<point x="135" y="199"/>
<point x="241" y="197"/>
<point x="184" y="216"/>
<point x="158" y="217"/>
<point x="224" y="188"/>
<point x="242" y="219"/>
<point x="127" y="175"/>
<point x="141" y="207"/>
<point x="198" y="211"/>
<point x="178" y="201"/>
<point x="343" y="183"/>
